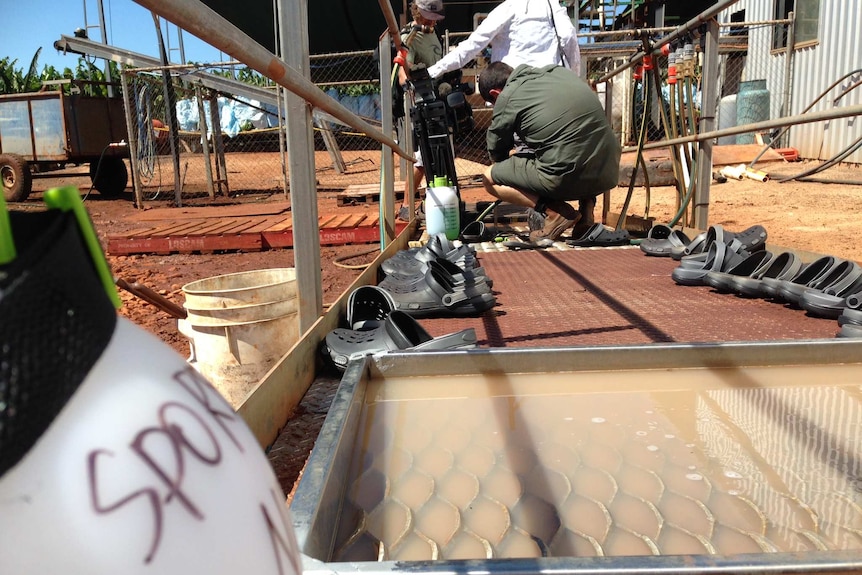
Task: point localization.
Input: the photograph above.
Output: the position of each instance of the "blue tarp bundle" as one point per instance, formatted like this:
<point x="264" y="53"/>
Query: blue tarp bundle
<point x="234" y="113"/>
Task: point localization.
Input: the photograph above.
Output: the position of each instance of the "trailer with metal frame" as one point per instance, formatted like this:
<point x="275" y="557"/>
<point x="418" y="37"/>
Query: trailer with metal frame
<point x="42" y="132"/>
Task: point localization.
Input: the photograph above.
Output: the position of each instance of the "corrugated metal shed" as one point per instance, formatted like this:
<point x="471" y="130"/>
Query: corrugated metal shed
<point x="816" y="66"/>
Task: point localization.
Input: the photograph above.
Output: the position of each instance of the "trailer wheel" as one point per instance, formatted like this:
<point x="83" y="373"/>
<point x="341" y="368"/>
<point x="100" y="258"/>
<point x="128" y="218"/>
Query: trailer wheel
<point x="16" y="178"/>
<point x="109" y="176"/>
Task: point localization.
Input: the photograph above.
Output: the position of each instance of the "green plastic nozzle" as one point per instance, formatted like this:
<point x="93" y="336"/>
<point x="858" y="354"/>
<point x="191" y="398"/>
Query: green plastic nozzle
<point x="68" y="198"/>
<point x="7" y="242"/>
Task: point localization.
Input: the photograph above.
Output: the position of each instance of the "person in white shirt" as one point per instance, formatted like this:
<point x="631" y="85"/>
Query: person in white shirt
<point x="534" y="32"/>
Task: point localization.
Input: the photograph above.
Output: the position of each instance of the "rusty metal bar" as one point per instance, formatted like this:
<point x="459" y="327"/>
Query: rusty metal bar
<point x="684" y="29"/>
<point x="811" y="117"/>
<point x="206" y="24"/>
<point x="391" y="22"/>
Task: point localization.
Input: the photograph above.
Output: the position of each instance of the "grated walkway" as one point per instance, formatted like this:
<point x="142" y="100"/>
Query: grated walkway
<point x="577" y="297"/>
<point x="603" y="296"/>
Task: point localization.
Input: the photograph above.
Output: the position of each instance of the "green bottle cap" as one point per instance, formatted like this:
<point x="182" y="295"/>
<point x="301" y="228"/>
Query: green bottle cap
<point x="68" y="199"/>
<point x="7" y="243"/>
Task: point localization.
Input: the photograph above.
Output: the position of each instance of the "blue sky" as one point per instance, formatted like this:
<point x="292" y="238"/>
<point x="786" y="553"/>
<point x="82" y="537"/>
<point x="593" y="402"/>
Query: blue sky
<point x="30" y="24"/>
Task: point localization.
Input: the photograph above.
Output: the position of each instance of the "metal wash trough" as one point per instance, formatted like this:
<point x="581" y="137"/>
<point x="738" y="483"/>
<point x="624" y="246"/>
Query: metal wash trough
<point x="618" y="459"/>
<point x="654" y="471"/>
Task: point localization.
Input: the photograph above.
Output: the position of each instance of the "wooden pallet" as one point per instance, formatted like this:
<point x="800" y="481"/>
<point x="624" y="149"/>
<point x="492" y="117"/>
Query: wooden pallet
<point x="365" y="194"/>
<point x="504" y="213"/>
<point x="253" y="233"/>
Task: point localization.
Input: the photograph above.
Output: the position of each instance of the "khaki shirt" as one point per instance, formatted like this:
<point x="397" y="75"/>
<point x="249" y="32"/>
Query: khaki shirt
<point x="424" y="49"/>
<point x="560" y="117"/>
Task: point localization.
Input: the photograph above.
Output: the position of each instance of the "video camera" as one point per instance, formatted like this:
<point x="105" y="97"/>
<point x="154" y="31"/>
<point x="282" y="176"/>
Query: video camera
<point x="454" y="92"/>
<point x="436" y="109"/>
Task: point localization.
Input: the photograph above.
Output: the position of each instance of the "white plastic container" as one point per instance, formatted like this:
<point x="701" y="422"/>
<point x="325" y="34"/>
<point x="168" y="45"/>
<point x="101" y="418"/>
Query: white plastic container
<point x="727" y="118"/>
<point x="442" y="209"/>
<point x="145" y="470"/>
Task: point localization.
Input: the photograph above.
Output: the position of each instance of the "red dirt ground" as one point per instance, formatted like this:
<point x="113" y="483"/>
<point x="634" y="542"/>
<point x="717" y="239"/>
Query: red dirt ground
<point x="816" y="217"/>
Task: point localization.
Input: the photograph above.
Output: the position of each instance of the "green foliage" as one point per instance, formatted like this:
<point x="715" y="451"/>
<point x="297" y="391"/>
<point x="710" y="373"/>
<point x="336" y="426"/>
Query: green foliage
<point x="14" y="80"/>
<point x="249" y="76"/>
<point x="244" y="74"/>
<point x="358" y="89"/>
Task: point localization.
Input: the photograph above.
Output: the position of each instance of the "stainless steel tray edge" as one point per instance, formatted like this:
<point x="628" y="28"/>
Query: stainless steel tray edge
<point x="836" y="563"/>
<point x="613" y="357"/>
<point x="318" y="497"/>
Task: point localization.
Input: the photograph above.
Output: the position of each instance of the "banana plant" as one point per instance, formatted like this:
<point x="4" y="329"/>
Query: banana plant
<point x="14" y="81"/>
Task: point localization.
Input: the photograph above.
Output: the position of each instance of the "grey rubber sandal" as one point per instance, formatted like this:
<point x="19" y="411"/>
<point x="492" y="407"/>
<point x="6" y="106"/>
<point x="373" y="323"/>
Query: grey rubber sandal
<point x="475" y="232"/>
<point x="368" y="307"/>
<point x="783" y="266"/>
<point x="850" y="315"/>
<point x="694" y="276"/>
<point x="693" y="261"/>
<point x="695" y="247"/>
<point x="663" y="246"/>
<point x="438" y="297"/>
<point x="398" y="332"/>
<point x="454" y="275"/>
<point x="850" y="330"/>
<point x="427" y="253"/>
<point x="753" y="265"/>
<point x="749" y="240"/>
<point x="600" y="236"/>
<point x="659" y="232"/>
<point x="808" y="272"/>
<point x="791" y="291"/>
<point x="828" y="300"/>
<point x="719" y="258"/>
<point x="520" y="245"/>
<point x="752" y="239"/>
<point x="415" y="260"/>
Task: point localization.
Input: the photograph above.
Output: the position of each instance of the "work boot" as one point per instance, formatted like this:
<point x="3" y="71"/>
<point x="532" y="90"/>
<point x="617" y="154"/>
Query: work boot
<point x="559" y="217"/>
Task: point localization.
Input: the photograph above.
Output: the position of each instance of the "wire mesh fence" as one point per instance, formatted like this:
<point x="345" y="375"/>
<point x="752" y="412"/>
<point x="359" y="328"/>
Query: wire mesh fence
<point x="242" y="148"/>
<point x="665" y="96"/>
<point x="353" y="80"/>
<point x="225" y="143"/>
<point x="756" y="79"/>
<point x="753" y="85"/>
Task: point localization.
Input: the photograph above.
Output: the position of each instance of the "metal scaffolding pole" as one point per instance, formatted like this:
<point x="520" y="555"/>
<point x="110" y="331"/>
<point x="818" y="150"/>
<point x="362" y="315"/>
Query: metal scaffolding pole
<point x="706" y="124"/>
<point x="809" y="118"/>
<point x="387" y="168"/>
<point x="133" y="143"/>
<point x="206" y="24"/>
<point x="293" y="38"/>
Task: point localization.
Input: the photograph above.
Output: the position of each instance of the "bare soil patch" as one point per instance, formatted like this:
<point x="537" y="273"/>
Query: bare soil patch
<point x="815" y="217"/>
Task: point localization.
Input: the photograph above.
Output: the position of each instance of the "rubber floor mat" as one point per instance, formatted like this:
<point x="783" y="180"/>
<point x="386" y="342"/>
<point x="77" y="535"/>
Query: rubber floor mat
<point x="603" y="296"/>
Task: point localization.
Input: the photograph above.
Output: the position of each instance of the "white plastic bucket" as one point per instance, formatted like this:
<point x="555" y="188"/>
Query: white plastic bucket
<point x="239" y="325"/>
<point x="242" y="288"/>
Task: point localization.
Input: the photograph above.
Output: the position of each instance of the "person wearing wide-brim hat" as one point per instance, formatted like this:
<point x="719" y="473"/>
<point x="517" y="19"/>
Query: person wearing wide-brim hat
<point x="423" y="48"/>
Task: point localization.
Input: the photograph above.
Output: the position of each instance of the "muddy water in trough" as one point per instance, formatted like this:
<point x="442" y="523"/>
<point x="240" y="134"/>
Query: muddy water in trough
<point x="594" y="464"/>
